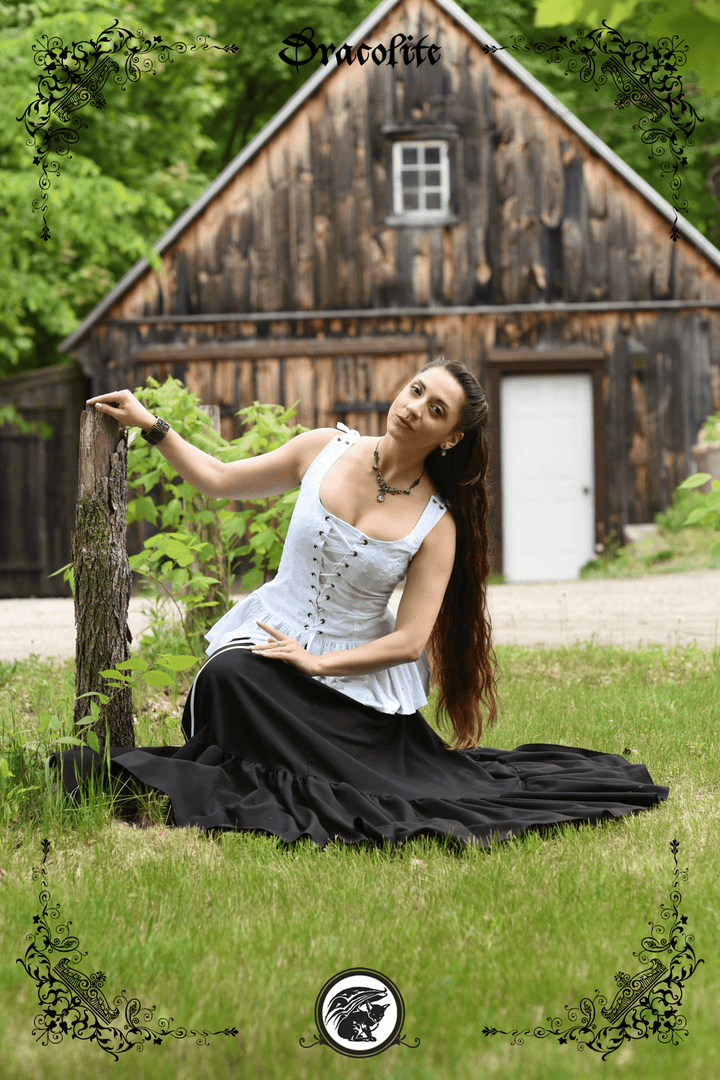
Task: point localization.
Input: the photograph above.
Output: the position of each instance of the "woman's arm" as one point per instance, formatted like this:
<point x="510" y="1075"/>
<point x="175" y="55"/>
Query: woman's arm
<point x="258" y="477"/>
<point x="375" y="655"/>
<point x="201" y="470"/>
<point x="276" y="472"/>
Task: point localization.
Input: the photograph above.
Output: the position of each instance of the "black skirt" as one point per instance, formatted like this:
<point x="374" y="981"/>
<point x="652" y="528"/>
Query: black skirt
<point x="269" y="749"/>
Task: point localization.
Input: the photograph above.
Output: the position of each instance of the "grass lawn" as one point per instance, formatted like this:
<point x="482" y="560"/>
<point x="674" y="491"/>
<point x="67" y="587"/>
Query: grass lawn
<point x="239" y="931"/>
<point x="666" y="552"/>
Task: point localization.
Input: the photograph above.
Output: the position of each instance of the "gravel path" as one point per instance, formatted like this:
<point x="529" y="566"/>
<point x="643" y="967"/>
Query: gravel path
<point x="665" y="608"/>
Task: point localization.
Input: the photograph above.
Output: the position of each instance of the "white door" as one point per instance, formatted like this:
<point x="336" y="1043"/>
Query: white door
<point x="547" y="475"/>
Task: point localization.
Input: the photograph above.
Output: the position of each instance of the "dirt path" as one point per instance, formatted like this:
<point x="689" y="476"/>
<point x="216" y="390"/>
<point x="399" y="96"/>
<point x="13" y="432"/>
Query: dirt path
<point x="664" y="608"/>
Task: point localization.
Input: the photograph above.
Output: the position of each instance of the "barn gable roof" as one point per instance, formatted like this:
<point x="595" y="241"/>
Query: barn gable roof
<point x="685" y="229"/>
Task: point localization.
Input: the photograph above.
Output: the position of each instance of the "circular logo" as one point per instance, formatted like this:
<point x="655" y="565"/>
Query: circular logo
<point x="359" y="1012"/>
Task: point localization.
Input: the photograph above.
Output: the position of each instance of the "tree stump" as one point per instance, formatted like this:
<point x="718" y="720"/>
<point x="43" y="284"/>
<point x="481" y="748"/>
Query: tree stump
<point x="102" y="574"/>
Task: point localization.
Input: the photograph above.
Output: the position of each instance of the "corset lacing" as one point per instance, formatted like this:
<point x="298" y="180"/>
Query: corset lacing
<point x="322" y="577"/>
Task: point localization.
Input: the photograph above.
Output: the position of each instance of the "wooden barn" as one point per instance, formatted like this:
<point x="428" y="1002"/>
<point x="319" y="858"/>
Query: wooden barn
<point x="389" y="215"/>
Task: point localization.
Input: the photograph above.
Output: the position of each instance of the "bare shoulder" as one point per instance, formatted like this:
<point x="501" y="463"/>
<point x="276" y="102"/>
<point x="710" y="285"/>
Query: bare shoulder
<point x="309" y="445"/>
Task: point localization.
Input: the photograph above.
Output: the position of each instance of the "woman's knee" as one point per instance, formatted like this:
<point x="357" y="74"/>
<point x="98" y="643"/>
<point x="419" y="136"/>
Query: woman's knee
<point x="227" y="662"/>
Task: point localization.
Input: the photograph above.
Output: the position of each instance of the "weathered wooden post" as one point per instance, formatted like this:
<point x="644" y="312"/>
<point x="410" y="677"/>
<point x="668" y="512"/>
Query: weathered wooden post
<point x="102" y="574"/>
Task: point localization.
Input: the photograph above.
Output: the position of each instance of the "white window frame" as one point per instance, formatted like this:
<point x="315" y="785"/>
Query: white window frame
<point x="398" y="167"/>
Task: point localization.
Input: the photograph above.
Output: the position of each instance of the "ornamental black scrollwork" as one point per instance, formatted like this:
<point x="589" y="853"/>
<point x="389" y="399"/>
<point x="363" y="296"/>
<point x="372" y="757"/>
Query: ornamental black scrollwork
<point x="645" y="1004"/>
<point x="73" y="1003"/>
<point x="645" y="76"/>
<point x="74" y="76"/>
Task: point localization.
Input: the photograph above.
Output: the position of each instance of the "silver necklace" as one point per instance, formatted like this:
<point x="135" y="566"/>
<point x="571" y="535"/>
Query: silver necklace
<point x="384" y="488"/>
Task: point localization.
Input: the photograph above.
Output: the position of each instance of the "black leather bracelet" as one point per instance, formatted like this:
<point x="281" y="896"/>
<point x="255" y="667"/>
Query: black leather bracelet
<point x="157" y="432"/>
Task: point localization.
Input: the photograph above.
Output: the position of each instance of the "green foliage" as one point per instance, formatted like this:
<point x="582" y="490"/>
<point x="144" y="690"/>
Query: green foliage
<point x="590" y="12"/>
<point x="675" y="517"/>
<point x="691" y="508"/>
<point x="109" y="197"/>
<point x="28" y="759"/>
<point x="608" y="555"/>
<point x="25" y="760"/>
<point x="703" y="507"/>
<point x="674" y="548"/>
<point x="191" y="559"/>
<point x="697" y="25"/>
<point x="10" y="415"/>
<point x="11" y="794"/>
<point x="140" y="161"/>
<point x="707" y="512"/>
<point x="710" y="431"/>
<point x="68" y="573"/>
<point x="197" y="534"/>
<point x="151" y="674"/>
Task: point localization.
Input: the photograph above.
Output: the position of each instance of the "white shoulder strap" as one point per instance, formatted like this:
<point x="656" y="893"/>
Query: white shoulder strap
<point x="347" y="430"/>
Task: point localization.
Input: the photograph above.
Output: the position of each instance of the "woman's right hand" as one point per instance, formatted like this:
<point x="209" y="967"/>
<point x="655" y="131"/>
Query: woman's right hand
<point x="124" y="407"/>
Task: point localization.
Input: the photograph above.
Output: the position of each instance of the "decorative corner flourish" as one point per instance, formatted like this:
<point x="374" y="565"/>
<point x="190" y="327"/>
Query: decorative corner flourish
<point x="646" y="1003"/>
<point x="645" y="76"/>
<point x="73" y="77"/>
<point x="73" y="1003"/>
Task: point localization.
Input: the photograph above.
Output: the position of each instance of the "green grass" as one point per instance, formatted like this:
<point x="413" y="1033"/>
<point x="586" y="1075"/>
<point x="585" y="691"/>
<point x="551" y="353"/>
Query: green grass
<point x="668" y="552"/>
<point x="237" y="930"/>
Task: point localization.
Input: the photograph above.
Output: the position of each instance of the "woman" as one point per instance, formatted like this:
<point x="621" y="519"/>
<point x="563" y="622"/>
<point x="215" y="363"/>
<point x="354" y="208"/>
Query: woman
<point x="329" y="741"/>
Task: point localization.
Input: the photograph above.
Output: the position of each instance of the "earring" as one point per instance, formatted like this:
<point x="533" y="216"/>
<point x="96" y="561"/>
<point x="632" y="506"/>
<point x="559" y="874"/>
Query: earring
<point x="443" y="453"/>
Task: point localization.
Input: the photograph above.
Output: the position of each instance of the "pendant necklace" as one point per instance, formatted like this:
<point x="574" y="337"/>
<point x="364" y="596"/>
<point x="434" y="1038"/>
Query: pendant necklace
<point x="385" y="489"/>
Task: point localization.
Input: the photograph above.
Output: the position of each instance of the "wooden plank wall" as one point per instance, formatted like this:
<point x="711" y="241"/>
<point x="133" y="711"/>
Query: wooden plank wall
<point x="38" y="480"/>
<point x="654" y="402"/>
<point x="536" y="215"/>
<point x="355" y="387"/>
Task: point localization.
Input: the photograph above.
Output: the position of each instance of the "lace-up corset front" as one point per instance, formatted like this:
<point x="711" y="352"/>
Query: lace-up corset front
<point x="332" y="591"/>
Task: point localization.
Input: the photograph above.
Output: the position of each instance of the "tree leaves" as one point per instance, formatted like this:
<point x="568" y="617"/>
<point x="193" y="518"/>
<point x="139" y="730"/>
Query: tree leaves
<point x="112" y="193"/>
<point x="699" y="27"/>
<point x="146" y="156"/>
<point x="590" y="12"/>
<point x="696" y="24"/>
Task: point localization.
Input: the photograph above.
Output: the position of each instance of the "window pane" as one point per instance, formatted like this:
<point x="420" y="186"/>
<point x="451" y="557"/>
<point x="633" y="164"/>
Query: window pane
<point x="432" y="179"/>
<point x="409" y="157"/>
<point x="432" y="155"/>
<point x="411" y="200"/>
<point x="410" y="179"/>
<point x="433" y="200"/>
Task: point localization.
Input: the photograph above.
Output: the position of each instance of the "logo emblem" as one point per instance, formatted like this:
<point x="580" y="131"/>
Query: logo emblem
<point x="359" y="1013"/>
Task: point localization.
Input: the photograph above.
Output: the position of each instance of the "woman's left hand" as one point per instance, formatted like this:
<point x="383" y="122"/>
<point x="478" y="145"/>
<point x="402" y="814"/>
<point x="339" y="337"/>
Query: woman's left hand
<point x="292" y="651"/>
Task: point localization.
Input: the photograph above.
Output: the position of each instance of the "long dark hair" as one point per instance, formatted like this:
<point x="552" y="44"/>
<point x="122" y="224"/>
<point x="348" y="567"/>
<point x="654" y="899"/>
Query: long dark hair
<point x="463" y="664"/>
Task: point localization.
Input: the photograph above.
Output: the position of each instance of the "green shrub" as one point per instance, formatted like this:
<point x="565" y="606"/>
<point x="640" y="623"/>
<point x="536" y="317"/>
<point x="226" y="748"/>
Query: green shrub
<point x="192" y="556"/>
<point x="710" y="431"/>
<point x="675" y="517"/>
<point x="707" y="512"/>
